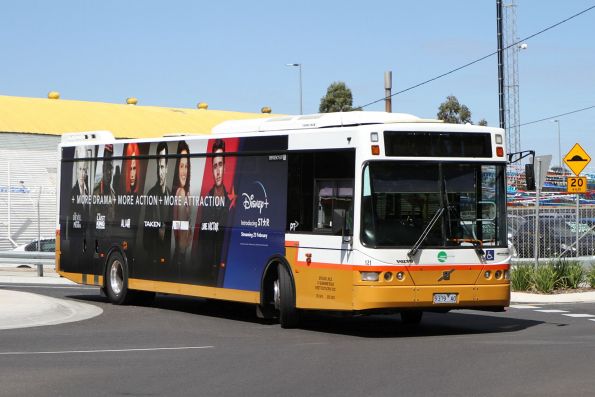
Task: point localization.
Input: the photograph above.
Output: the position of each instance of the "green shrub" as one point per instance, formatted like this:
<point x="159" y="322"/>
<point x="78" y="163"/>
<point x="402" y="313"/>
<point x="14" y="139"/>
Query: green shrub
<point x="591" y="276"/>
<point x="561" y="267"/>
<point x="545" y="278"/>
<point x="521" y="277"/>
<point x="574" y="275"/>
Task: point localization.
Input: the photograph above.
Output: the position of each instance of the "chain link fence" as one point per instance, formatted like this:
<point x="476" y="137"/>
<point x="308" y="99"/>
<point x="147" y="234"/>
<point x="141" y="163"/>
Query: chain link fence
<point x="558" y="232"/>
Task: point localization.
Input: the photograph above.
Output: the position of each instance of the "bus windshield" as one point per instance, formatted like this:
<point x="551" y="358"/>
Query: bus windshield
<point x="401" y="198"/>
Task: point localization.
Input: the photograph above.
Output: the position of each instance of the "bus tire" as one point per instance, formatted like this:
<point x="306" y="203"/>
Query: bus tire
<point x="266" y="309"/>
<point x="289" y="315"/>
<point x="116" y="279"/>
<point x="411" y="317"/>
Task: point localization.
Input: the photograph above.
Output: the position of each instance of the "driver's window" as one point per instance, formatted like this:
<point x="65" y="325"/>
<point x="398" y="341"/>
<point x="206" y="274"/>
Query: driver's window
<point x="320" y="189"/>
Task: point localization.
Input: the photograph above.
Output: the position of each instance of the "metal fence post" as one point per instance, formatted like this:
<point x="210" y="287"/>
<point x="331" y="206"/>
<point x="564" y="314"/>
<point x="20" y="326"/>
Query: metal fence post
<point x="537" y="191"/>
<point x="577" y="218"/>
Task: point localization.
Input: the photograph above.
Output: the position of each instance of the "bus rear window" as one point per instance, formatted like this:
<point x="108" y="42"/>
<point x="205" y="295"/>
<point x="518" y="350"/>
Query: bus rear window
<point x="437" y="144"/>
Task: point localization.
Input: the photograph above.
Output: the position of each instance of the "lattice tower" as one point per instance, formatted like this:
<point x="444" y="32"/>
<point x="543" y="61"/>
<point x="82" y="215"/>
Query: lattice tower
<point x="511" y="79"/>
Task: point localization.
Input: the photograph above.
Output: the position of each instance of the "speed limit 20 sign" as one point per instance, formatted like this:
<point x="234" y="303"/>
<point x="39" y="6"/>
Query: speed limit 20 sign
<point x="576" y="184"/>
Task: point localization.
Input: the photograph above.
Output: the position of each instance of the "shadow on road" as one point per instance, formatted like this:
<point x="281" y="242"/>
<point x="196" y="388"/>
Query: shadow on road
<point x="465" y="322"/>
<point x="432" y="324"/>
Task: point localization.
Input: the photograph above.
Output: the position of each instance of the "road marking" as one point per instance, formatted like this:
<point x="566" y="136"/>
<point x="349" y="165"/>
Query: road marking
<point x="592" y="319"/>
<point x="149" y="349"/>
<point x="524" y="307"/>
<point x="579" y="315"/>
<point x="552" y="311"/>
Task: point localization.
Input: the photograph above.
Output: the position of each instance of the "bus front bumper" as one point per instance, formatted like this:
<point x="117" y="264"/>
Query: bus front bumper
<point x="424" y="297"/>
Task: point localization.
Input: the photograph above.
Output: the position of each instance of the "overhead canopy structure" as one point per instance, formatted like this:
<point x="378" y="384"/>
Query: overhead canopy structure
<point x="56" y="116"/>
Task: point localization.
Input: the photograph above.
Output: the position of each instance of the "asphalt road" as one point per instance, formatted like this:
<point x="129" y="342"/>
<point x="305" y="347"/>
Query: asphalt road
<point x="185" y="346"/>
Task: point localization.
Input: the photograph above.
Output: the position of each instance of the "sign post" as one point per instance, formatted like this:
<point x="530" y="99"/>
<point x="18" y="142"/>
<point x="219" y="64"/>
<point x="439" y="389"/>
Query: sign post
<point x="577" y="159"/>
<point x="540" y="166"/>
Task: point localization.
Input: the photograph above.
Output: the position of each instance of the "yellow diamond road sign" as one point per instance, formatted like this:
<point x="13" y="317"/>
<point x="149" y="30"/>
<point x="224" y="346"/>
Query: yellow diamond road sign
<point x="577" y="159"/>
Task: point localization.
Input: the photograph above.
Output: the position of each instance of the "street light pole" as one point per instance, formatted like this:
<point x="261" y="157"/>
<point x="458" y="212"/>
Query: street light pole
<point x="559" y="146"/>
<point x="299" y="65"/>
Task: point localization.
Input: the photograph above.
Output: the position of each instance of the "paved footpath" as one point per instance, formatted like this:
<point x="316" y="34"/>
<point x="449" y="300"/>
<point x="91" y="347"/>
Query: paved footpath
<point x="23" y="309"/>
<point x="20" y="309"/>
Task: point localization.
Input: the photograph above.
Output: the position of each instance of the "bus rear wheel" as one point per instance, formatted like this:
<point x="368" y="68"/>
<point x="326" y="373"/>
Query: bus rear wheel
<point x="284" y="297"/>
<point x="116" y="279"/>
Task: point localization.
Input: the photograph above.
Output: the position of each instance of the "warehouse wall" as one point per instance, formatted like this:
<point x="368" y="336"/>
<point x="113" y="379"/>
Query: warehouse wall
<point x="33" y="161"/>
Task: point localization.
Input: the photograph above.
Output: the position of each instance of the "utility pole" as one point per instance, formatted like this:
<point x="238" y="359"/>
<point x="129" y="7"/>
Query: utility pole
<point x="388" y="85"/>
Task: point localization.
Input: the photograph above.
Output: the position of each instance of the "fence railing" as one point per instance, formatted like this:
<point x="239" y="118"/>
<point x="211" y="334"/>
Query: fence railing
<point x="35" y="258"/>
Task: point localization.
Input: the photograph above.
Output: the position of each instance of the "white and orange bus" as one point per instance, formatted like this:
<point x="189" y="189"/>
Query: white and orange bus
<point x="357" y="212"/>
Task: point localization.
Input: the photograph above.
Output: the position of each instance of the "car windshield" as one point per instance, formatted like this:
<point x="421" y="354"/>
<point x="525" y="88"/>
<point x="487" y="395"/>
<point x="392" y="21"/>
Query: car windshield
<point x="565" y="228"/>
<point x="401" y="198"/>
<point x="48" y="245"/>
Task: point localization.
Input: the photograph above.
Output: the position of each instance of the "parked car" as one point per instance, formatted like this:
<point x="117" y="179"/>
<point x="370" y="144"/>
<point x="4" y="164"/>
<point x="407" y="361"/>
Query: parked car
<point x="557" y="235"/>
<point x="45" y="245"/>
<point x="513" y="223"/>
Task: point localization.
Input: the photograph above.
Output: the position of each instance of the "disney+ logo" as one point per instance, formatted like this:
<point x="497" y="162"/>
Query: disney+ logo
<point x="252" y="202"/>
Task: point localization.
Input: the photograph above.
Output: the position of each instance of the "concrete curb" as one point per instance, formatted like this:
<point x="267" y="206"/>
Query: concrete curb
<point x="573" y="297"/>
<point x="24" y="309"/>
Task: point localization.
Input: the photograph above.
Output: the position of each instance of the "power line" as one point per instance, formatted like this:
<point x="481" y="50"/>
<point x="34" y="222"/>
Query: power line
<point x="556" y="116"/>
<point x="479" y="59"/>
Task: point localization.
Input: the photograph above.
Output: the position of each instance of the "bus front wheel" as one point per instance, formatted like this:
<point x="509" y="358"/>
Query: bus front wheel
<point x="284" y="295"/>
<point x="116" y="279"/>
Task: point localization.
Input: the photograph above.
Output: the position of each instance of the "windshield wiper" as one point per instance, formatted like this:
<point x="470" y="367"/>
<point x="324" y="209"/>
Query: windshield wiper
<point x="425" y="233"/>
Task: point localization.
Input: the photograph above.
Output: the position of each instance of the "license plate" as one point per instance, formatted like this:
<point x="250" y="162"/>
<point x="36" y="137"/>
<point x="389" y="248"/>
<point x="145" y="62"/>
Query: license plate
<point x="445" y="298"/>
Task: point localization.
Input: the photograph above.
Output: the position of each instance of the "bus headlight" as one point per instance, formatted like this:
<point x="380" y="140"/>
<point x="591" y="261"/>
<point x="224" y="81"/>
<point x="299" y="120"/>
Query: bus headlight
<point x="388" y="276"/>
<point x="400" y="276"/>
<point x="487" y="274"/>
<point x="370" y="276"/>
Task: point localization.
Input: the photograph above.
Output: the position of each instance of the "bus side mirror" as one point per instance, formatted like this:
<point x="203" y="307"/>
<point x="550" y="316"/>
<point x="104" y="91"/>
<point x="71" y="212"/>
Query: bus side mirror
<point x="340" y="226"/>
<point x="338" y="222"/>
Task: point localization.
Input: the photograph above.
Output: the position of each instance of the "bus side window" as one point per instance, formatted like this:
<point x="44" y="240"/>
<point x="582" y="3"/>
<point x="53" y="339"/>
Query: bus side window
<point x="319" y="183"/>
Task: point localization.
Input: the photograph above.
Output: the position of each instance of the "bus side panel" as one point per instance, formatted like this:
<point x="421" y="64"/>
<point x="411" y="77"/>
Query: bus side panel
<point x="212" y="220"/>
<point x="259" y="214"/>
<point x="323" y="276"/>
<point x="74" y="214"/>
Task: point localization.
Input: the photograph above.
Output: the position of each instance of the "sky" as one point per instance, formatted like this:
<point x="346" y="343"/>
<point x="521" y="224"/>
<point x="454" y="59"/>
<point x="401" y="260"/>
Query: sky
<point x="233" y="55"/>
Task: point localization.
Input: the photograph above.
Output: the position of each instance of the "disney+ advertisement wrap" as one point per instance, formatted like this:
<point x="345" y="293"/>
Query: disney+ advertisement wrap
<point x="204" y="212"/>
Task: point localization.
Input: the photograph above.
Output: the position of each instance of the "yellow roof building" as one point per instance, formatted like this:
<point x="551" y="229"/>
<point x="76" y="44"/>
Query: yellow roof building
<point x="56" y="116"/>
